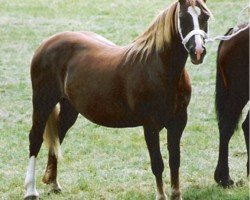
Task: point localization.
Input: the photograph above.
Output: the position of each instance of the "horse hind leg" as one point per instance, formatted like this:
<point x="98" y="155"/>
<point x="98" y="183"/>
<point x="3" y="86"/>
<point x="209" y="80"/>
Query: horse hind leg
<point x="42" y="107"/>
<point x="66" y="119"/>
<point x="227" y="120"/>
<point x="245" y="127"/>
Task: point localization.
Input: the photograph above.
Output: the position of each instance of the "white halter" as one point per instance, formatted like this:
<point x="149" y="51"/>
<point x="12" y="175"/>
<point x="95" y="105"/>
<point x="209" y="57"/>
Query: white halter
<point x="236" y="29"/>
<point x="192" y="33"/>
<point x="205" y="36"/>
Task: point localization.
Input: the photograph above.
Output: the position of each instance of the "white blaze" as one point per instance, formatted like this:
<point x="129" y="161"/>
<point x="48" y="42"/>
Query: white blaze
<point x="195" y="13"/>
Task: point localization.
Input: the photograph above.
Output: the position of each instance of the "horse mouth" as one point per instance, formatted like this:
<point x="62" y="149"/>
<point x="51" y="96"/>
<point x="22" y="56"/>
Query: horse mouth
<point x="197" y="59"/>
<point x="197" y="62"/>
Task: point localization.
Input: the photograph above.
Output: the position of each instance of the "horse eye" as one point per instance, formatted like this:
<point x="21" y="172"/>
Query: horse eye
<point x="204" y="17"/>
<point x="181" y="15"/>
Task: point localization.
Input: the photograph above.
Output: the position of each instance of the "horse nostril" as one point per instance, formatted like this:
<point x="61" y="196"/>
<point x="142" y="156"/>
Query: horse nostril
<point x="192" y="50"/>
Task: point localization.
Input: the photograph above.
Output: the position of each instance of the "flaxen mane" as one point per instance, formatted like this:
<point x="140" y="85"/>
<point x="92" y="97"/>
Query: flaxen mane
<point x="158" y="35"/>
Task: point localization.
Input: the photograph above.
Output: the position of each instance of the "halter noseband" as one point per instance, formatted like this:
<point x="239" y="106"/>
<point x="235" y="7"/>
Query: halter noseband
<point x="192" y="33"/>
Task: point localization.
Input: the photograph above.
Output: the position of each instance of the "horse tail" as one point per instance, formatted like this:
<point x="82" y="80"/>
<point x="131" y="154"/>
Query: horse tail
<point x="221" y="92"/>
<point x="50" y="135"/>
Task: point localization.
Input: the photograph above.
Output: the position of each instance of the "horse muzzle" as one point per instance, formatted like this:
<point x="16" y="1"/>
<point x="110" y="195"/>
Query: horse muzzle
<point x="197" y="55"/>
<point x="196" y="50"/>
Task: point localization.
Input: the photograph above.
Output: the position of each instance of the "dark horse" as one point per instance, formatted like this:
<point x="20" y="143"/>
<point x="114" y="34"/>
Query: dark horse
<point x="232" y="95"/>
<point x="142" y="84"/>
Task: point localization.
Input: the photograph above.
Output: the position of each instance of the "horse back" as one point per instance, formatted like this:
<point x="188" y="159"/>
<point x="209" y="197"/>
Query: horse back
<point x="54" y="55"/>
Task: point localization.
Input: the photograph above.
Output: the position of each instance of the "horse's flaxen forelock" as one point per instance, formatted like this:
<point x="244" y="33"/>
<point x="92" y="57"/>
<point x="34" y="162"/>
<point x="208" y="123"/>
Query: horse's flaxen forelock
<point x="193" y="3"/>
<point x="157" y="37"/>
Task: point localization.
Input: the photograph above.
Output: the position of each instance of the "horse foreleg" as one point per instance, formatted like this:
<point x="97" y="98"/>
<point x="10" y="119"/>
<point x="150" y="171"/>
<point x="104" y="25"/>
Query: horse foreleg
<point x="175" y="130"/>
<point x="157" y="166"/>
<point x="245" y="127"/>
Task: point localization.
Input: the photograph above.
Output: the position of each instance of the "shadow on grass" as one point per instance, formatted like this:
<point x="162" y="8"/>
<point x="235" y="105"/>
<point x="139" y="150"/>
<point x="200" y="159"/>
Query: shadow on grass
<point x="215" y="192"/>
<point x="212" y="192"/>
<point x="135" y="195"/>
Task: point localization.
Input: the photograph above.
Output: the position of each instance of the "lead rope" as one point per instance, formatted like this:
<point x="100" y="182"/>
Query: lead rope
<point x="236" y="30"/>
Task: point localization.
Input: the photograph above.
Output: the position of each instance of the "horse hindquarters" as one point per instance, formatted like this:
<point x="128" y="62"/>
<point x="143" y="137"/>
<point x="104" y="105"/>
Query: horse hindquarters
<point x="46" y="94"/>
<point x="230" y="99"/>
<point x="226" y="126"/>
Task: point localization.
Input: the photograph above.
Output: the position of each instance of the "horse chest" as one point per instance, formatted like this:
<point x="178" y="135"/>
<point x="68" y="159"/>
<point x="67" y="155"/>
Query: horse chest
<point x="158" y="103"/>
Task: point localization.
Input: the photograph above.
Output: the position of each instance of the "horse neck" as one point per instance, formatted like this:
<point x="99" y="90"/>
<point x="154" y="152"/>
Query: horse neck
<point x="173" y="58"/>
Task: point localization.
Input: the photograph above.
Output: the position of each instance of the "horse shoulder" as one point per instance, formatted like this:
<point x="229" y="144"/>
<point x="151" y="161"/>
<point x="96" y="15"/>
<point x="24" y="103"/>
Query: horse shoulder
<point x="184" y="90"/>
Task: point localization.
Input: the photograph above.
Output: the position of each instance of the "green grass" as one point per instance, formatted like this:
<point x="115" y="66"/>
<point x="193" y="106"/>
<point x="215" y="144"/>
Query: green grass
<point x="98" y="162"/>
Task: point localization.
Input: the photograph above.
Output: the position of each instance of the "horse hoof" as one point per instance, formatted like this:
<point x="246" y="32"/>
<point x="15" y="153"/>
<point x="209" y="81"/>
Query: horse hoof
<point x="55" y="191"/>
<point x="223" y="179"/>
<point x="176" y="195"/>
<point x="31" y="198"/>
<point x="225" y="182"/>
<point x="161" y="197"/>
<point x="176" y="198"/>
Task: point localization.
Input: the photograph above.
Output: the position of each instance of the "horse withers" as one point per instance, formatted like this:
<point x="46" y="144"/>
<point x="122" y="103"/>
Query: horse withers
<point x="142" y="84"/>
<point x="232" y="95"/>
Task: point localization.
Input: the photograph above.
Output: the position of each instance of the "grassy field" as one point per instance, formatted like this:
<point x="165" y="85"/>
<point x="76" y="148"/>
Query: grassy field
<point x="102" y="163"/>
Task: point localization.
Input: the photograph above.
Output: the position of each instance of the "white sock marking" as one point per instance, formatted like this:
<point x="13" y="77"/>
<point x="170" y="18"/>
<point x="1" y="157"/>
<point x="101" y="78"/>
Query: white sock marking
<point x="30" y="180"/>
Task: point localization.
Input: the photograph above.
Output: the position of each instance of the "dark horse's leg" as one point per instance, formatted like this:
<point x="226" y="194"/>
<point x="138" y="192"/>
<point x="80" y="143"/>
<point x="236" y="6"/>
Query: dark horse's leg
<point x="175" y="130"/>
<point x="67" y="118"/>
<point x="228" y="119"/>
<point x="245" y="127"/>
<point x="43" y="104"/>
<point x="157" y="166"/>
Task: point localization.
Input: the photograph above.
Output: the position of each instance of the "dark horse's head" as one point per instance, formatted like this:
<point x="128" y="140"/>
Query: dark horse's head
<point x="193" y="18"/>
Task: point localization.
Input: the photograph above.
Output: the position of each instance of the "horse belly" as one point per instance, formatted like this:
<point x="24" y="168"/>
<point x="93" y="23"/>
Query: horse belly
<point x="104" y="109"/>
<point x="110" y="115"/>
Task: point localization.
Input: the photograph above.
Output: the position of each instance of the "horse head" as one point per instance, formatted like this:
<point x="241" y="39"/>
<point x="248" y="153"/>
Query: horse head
<point x="193" y="18"/>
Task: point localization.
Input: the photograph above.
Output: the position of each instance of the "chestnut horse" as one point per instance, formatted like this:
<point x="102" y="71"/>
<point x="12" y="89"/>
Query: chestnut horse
<point x="142" y="84"/>
<point x="232" y="95"/>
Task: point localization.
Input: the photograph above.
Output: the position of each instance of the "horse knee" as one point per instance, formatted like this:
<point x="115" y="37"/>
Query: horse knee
<point x="226" y="130"/>
<point x="174" y="162"/>
<point x="157" y="167"/>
